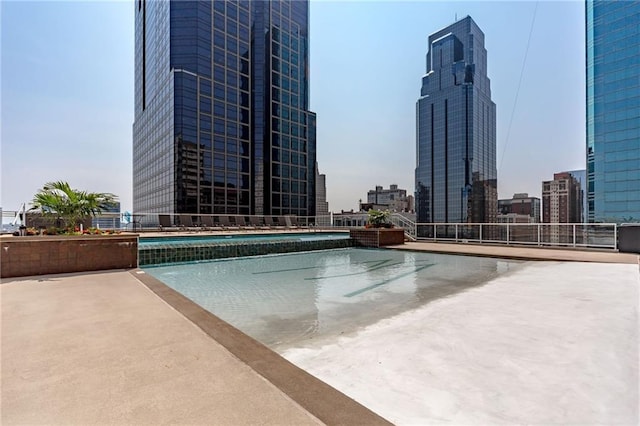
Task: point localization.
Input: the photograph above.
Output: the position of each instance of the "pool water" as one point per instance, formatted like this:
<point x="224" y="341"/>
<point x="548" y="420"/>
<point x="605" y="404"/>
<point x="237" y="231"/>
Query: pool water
<point x="286" y="300"/>
<point x="238" y="238"/>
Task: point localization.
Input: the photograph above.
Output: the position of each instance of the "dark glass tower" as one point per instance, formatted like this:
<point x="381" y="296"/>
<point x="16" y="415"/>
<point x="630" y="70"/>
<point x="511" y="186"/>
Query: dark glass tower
<point x="456" y="178"/>
<point x="613" y="110"/>
<point x="222" y="121"/>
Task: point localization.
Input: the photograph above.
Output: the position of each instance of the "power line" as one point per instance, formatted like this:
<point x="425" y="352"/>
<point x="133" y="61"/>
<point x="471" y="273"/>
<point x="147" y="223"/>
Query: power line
<point x="515" y="101"/>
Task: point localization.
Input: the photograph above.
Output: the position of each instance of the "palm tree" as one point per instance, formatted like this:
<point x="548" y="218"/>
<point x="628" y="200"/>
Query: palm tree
<point x="58" y="200"/>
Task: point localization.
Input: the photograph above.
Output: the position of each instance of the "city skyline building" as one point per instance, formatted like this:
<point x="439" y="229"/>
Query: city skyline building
<point x="561" y="199"/>
<point x="108" y="218"/>
<point x="393" y="199"/>
<point x="322" y="206"/>
<point x="455" y="176"/>
<point x="581" y="177"/>
<point x="613" y="110"/>
<point x="521" y="204"/>
<point x="222" y="121"/>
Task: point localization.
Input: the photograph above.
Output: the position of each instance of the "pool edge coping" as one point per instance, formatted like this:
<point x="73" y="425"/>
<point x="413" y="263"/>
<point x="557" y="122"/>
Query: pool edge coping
<point x="537" y="254"/>
<point x="318" y="398"/>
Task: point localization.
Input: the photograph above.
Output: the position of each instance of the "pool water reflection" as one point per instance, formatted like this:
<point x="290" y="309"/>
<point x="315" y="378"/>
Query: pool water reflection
<point x="284" y="300"/>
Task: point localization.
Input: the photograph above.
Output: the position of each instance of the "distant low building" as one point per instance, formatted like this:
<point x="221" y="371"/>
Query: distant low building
<point x="393" y="199"/>
<point x="515" y="218"/>
<point x="521" y="205"/>
<point x="350" y="218"/>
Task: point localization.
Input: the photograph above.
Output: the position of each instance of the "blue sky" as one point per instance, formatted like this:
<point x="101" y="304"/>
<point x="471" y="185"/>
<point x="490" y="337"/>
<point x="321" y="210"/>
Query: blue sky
<point x="67" y="92"/>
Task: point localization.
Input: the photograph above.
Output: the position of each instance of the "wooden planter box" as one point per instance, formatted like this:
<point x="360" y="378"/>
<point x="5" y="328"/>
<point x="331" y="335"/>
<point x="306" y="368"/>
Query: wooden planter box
<point x="377" y="237"/>
<point x="40" y="255"/>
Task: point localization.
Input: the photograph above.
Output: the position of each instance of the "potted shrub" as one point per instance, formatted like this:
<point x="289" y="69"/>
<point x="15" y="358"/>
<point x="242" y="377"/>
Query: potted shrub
<point x="378" y="232"/>
<point x="379" y="219"/>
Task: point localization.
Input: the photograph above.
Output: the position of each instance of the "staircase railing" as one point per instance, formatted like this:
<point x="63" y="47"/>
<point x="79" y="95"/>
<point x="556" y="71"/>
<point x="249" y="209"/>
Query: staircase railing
<point x="408" y="225"/>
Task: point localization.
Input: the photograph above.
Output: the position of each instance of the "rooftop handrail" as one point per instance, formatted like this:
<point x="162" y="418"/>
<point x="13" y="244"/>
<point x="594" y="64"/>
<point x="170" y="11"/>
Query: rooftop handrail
<point x="575" y="235"/>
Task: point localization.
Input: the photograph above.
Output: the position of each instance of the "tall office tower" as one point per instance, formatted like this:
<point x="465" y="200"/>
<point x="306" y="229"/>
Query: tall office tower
<point x="561" y="199"/>
<point x="222" y="121"/>
<point x="456" y="178"/>
<point x="322" y="206"/>
<point x="613" y="110"/>
<point x="581" y="177"/>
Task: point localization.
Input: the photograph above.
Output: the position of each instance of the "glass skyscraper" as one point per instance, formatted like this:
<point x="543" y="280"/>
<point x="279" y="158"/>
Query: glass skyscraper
<point x="456" y="177"/>
<point x="613" y="110"/>
<point x="222" y="121"/>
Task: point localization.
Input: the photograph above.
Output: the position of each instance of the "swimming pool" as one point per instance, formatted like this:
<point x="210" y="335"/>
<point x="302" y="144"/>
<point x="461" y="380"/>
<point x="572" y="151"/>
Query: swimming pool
<point x="241" y="238"/>
<point x="287" y="300"/>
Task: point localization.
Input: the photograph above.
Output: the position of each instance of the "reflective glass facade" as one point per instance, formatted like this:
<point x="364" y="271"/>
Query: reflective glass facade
<point x="222" y="123"/>
<point x="456" y="178"/>
<point x="613" y="110"/>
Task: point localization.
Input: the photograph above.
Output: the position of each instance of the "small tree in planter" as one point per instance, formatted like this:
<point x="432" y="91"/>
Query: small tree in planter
<point x="58" y="201"/>
<point x="379" y="219"/>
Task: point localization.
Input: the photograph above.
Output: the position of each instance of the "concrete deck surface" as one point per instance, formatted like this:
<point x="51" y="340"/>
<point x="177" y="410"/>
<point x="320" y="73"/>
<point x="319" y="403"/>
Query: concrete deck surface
<point x="549" y="343"/>
<point x="102" y="348"/>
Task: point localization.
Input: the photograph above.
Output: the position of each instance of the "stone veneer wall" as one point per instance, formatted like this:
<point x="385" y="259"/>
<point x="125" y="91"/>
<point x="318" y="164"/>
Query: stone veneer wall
<point x="377" y="237"/>
<point x="189" y="252"/>
<point x="39" y="255"/>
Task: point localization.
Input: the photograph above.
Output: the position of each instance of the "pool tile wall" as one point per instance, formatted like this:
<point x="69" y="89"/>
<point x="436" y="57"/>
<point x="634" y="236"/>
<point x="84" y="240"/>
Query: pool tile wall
<point x="189" y="252"/>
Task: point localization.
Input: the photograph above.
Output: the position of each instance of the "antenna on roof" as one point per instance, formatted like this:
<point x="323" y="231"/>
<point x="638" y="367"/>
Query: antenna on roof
<point x="456" y="17"/>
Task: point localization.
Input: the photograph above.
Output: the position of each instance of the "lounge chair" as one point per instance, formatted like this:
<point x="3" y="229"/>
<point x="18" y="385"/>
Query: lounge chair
<point x="257" y="222"/>
<point x="226" y="223"/>
<point x="165" y="222"/>
<point x="291" y="222"/>
<point x="274" y="222"/>
<point x="207" y="222"/>
<point x="246" y="223"/>
<point x="186" y="221"/>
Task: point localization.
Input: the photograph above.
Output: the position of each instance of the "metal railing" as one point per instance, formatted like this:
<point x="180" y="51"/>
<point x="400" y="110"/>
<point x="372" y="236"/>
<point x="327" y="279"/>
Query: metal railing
<point x="593" y="235"/>
<point x="575" y="235"/>
<point x="405" y="223"/>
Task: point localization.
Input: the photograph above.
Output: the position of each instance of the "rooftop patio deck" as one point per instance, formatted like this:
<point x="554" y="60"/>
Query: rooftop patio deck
<point x="119" y="347"/>
<point x="101" y="348"/>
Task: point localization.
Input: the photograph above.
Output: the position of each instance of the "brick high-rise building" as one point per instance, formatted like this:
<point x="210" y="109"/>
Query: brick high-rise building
<point x="561" y="199"/>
